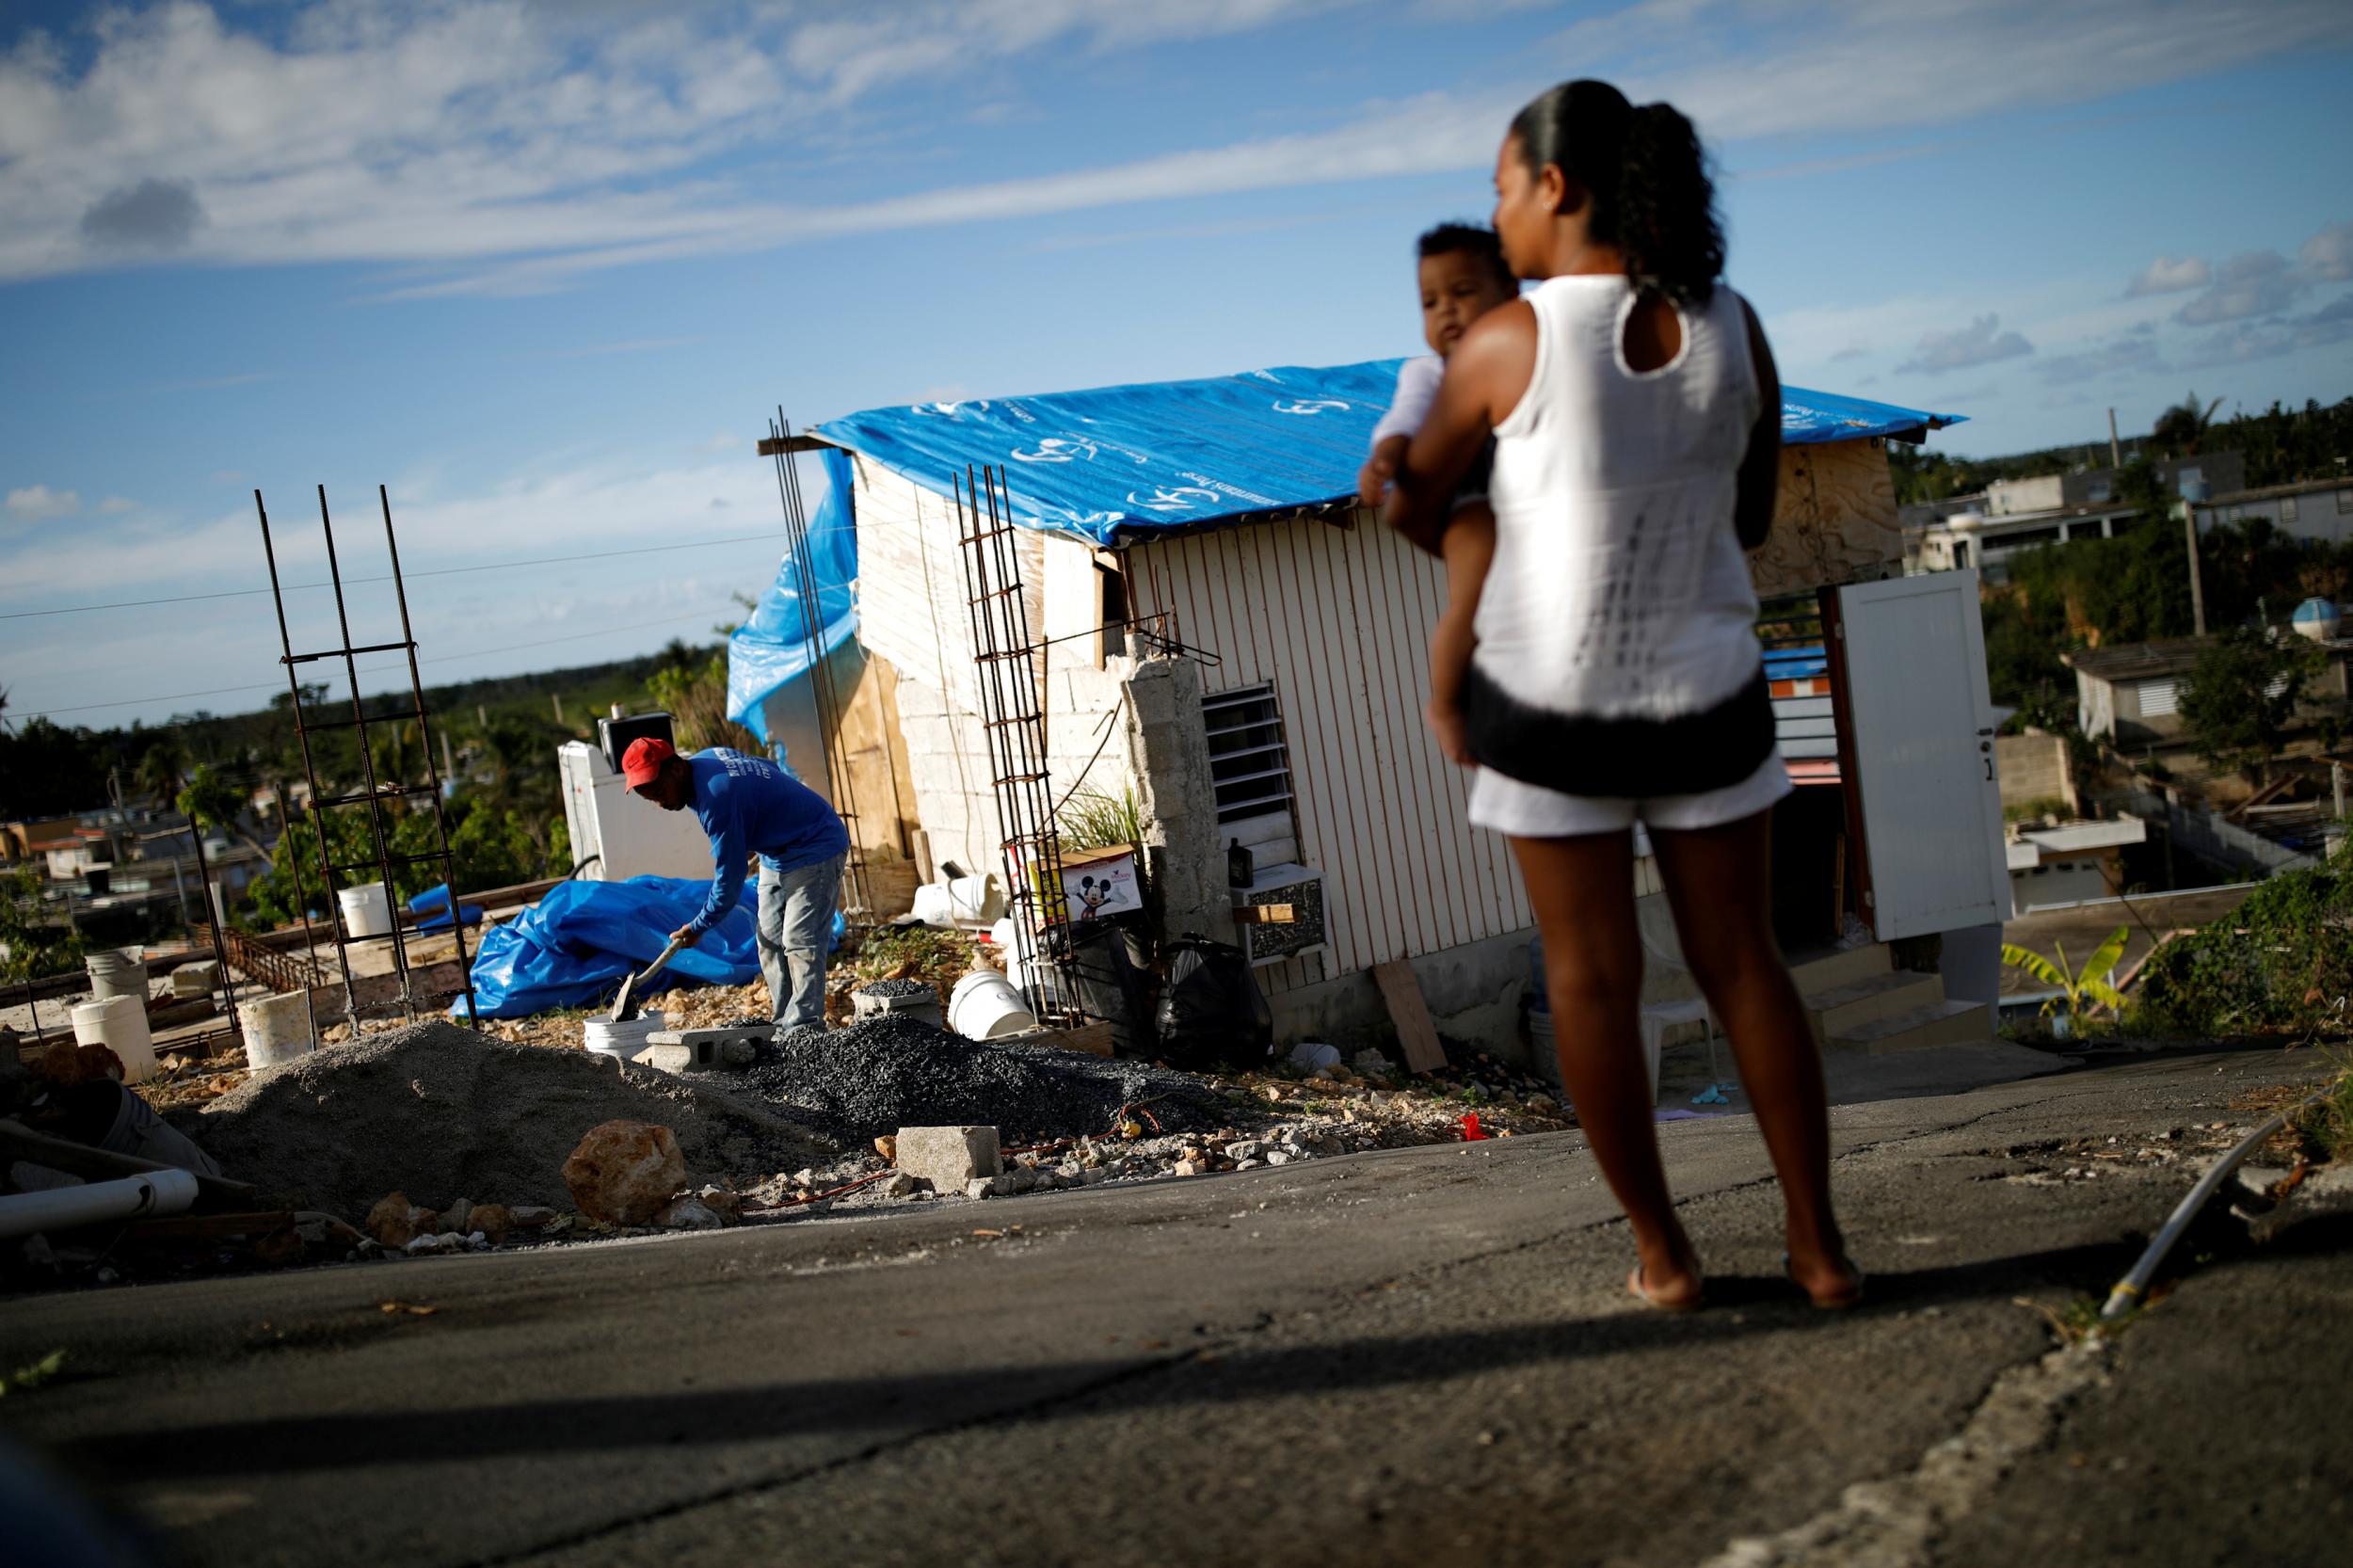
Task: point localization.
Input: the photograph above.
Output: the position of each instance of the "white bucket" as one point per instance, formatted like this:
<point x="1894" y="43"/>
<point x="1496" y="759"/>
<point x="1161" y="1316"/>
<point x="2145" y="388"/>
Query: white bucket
<point x="277" y="1029"/>
<point x="961" y="901"/>
<point x="626" y="1039"/>
<point x="367" y="912"/>
<point x="119" y="1024"/>
<point x="118" y="972"/>
<point x="985" y="1006"/>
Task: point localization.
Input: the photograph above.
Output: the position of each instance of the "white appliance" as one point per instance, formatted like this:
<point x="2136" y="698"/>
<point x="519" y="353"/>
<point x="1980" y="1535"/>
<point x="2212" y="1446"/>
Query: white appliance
<point x="629" y="837"/>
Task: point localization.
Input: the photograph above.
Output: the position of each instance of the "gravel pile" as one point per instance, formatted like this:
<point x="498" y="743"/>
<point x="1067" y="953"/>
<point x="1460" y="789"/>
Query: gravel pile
<point x="892" y="989"/>
<point x="882" y="1074"/>
<point x="442" y="1113"/>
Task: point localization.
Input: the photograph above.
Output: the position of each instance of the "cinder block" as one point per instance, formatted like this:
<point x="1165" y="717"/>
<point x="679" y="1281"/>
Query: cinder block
<point x="950" y="1158"/>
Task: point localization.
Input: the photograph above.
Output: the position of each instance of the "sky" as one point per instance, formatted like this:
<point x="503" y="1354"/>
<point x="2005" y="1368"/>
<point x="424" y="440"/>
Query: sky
<point x="544" y="270"/>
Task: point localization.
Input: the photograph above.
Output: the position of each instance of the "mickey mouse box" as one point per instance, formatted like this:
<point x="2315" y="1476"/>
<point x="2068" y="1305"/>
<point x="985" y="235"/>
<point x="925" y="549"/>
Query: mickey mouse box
<point x="1100" y="882"/>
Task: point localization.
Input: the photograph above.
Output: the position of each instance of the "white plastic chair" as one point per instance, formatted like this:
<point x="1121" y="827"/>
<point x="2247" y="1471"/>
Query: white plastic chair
<point x="1653" y="922"/>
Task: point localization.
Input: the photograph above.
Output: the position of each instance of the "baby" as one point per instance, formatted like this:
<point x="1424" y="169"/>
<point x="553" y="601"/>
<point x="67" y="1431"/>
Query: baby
<point x="1463" y="275"/>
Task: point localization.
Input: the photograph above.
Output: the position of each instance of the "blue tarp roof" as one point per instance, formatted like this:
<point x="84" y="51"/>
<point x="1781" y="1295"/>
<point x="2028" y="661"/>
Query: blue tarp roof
<point x="771" y="649"/>
<point x="1117" y="462"/>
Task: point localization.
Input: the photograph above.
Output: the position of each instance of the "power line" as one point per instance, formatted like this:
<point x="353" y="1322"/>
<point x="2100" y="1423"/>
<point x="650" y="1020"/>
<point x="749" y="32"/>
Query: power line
<point x="365" y="669"/>
<point x="436" y="571"/>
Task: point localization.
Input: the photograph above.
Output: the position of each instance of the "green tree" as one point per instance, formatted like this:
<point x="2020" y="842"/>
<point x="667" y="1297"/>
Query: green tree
<point x="2242" y="696"/>
<point x="2080" y="991"/>
<point x="35" y="947"/>
<point x="2182" y="428"/>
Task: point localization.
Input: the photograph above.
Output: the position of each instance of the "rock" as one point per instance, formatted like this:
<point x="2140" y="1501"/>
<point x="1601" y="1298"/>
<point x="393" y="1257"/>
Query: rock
<point x="687" y="1215"/>
<point x="1371" y="1063"/>
<point x="388" y="1221"/>
<point x="948" y="1156"/>
<point x="727" y="1206"/>
<point x="806" y="1177"/>
<point x="1186" y="1168"/>
<point x="901" y="1185"/>
<point x="1248" y="1149"/>
<point x="458" y="1216"/>
<point x="492" y="1221"/>
<point x="738" y="1053"/>
<point x="888" y="1147"/>
<point x="980" y="1187"/>
<point x="1278" y="1157"/>
<point x="420" y="1245"/>
<point x="624" y="1172"/>
<point x="529" y="1216"/>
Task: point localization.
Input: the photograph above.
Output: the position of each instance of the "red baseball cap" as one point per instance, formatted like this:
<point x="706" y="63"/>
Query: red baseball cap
<point x="642" y="763"/>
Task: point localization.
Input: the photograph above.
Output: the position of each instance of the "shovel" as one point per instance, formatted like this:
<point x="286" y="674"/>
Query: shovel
<point x="625" y="1005"/>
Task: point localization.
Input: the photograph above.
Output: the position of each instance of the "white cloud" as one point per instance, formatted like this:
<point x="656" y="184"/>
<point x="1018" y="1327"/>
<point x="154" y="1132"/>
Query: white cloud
<point x="36" y="503"/>
<point x="2256" y="283"/>
<point x="2132" y="355"/>
<point x="117" y="505"/>
<point x="507" y="147"/>
<point x="2171" y="275"/>
<point x="2329" y="253"/>
<point x="1980" y="342"/>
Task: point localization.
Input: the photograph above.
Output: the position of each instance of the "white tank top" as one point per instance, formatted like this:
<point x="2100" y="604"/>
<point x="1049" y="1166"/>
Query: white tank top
<point x="1618" y="588"/>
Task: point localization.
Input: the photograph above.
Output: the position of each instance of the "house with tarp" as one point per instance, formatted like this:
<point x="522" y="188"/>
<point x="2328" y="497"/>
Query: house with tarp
<point x="1226" y="640"/>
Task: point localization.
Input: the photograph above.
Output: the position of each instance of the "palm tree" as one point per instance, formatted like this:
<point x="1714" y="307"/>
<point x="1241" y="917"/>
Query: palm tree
<point x="2181" y="429"/>
<point x="162" y="767"/>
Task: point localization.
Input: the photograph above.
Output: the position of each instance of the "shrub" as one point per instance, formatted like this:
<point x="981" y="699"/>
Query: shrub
<point x="2281" y="961"/>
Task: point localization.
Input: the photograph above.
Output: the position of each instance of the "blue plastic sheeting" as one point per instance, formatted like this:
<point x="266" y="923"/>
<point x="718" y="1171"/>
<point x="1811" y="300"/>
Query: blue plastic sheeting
<point x="433" y="905"/>
<point x="1796" y="663"/>
<point x="771" y="650"/>
<point x="575" y="946"/>
<point x="1122" y="461"/>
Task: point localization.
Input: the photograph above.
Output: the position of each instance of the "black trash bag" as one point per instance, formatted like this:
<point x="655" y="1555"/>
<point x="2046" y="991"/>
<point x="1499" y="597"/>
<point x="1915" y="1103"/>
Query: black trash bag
<point x="1211" y="1010"/>
<point x="1108" y="985"/>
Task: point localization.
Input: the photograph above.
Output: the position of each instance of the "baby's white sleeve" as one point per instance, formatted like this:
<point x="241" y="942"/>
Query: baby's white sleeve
<point x="1417" y="390"/>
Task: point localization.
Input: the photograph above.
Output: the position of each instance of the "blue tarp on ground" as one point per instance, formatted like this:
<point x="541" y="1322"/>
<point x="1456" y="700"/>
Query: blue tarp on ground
<point x="575" y="946"/>
<point x="771" y="649"/>
<point x="1123" y="461"/>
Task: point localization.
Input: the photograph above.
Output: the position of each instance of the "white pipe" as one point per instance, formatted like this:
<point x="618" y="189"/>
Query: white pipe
<point x="135" y="1198"/>
<point x="2132" y="1291"/>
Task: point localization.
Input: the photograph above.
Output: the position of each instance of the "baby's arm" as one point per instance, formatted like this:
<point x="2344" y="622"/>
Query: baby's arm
<point x="1372" y="480"/>
<point x="1469" y="547"/>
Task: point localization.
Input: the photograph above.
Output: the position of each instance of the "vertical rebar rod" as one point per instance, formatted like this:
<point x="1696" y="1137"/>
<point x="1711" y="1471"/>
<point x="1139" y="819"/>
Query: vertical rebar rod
<point x="367" y="769"/>
<point x="433" y="777"/>
<point x="310" y="775"/>
<point x="824" y="697"/>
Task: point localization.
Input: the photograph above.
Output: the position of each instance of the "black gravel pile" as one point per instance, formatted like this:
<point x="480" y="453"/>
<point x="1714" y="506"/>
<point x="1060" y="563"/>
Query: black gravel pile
<point x="882" y="1074"/>
<point x="892" y="989"/>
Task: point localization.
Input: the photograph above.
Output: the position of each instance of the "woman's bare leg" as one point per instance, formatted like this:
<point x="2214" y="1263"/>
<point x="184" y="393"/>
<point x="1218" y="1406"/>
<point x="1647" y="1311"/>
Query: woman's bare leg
<point x="1719" y="882"/>
<point x="1583" y="892"/>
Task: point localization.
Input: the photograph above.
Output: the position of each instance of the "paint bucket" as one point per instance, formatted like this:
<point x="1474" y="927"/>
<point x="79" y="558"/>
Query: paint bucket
<point x="119" y="1024"/>
<point x="277" y="1029"/>
<point x="624" y="1040"/>
<point x="367" y="912"/>
<point x="959" y="900"/>
<point x="118" y="972"/>
<point x="985" y="1006"/>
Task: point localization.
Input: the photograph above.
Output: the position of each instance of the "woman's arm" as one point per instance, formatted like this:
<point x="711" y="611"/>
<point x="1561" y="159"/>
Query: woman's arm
<point x="1760" y="470"/>
<point x="1485" y="380"/>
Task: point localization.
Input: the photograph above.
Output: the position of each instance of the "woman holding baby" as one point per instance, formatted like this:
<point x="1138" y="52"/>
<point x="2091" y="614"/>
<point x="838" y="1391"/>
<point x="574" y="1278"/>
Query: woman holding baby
<point x="1612" y="672"/>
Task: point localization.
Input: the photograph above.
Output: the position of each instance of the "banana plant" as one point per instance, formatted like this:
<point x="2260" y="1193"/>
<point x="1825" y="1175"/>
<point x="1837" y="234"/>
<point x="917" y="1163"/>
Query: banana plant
<point x="2080" y="990"/>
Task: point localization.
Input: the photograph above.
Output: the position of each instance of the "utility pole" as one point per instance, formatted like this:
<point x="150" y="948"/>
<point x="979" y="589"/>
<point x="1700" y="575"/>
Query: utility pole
<point x="2116" y="452"/>
<point x="2197" y="589"/>
<point x="557" y="697"/>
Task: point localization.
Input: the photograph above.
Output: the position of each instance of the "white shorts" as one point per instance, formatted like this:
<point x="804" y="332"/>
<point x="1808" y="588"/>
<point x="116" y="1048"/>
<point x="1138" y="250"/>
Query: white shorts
<point x="1531" y="812"/>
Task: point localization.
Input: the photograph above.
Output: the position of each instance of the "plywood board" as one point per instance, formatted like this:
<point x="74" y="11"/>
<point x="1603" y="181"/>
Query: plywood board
<point x="1416" y="1033"/>
<point x="1835" y="520"/>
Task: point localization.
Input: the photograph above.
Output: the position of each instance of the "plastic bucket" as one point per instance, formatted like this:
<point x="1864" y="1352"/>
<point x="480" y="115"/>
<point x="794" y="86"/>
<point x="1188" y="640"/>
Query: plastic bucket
<point x="277" y="1029"/>
<point x="119" y="1024"/>
<point x="985" y="1006"/>
<point x="625" y="1040"/>
<point x="118" y="972"/>
<point x="367" y="912"/>
<point x="961" y="901"/>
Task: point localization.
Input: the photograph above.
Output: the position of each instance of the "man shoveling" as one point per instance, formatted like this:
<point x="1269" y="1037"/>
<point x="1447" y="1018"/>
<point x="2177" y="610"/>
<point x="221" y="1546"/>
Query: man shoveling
<point x="750" y="806"/>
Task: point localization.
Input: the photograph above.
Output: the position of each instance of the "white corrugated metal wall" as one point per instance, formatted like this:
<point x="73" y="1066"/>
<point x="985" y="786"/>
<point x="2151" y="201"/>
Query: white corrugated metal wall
<point x="1338" y="621"/>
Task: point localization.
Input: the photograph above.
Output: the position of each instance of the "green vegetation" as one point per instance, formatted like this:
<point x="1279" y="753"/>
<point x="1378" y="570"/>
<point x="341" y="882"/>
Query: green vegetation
<point x="2081" y="991"/>
<point x="2281" y="962"/>
<point x="2042" y="808"/>
<point x="2282" y="446"/>
<point x="26" y="1378"/>
<point x="2242" y="695"/>
<point x="2328" y="1123"/>
<point x="1092" y="820"/>
<point x="35" y="947"/>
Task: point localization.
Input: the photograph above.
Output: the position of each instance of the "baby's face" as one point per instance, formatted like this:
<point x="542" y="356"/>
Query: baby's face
<point x="1457" y="288"/>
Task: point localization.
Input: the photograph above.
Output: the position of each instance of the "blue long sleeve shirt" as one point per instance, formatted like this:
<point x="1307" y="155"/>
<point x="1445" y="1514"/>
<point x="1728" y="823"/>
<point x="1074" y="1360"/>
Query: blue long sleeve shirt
<point x="750" y="806"/>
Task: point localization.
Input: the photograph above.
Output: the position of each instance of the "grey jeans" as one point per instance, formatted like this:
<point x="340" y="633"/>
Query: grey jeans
<point x="795" y="929"/>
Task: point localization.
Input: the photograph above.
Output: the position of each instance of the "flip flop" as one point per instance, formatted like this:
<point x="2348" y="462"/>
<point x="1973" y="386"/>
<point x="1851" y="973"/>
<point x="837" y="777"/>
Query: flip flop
<point x="1851" y="1296"/>
<point x="1639" y="1291"/>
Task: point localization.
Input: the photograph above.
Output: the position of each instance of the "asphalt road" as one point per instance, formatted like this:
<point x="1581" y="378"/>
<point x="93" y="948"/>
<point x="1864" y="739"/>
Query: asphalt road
<point x="1421" y="1356"/>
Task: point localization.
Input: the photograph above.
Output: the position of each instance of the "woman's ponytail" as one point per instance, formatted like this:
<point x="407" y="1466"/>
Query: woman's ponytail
<point x="1647" y="178"/>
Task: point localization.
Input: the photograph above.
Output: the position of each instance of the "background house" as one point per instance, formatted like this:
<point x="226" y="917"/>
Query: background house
<point x="1983" y="531"/>
<point x="2319" y="511"/>
<point x="2130" y="694"/>
<point x="1224" y="635"/>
